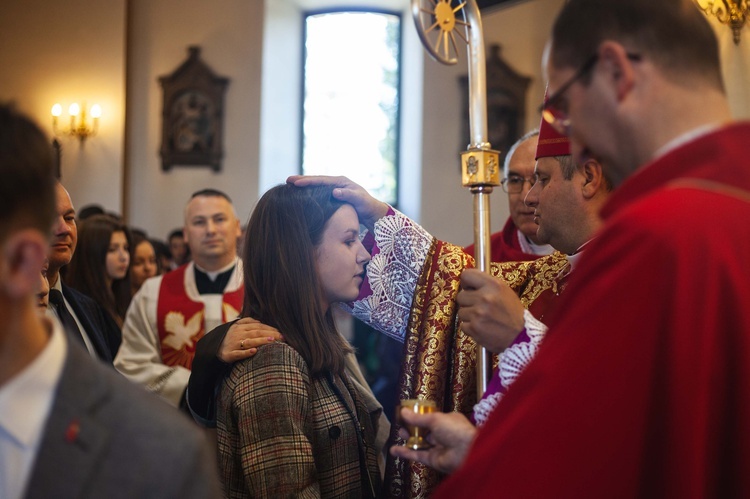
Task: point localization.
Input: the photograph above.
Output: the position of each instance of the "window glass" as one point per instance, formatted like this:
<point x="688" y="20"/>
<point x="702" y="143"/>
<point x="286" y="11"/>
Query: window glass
<point x="351" y="99"/>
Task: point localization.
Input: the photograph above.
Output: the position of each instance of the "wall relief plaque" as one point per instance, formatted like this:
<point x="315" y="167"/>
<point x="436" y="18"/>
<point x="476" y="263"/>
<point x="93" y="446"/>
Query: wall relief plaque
<point x="192" y="115"/>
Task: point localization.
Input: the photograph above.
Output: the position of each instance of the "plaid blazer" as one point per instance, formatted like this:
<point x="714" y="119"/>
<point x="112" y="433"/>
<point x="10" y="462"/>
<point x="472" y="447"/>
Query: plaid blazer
<point x="282" y="432"/>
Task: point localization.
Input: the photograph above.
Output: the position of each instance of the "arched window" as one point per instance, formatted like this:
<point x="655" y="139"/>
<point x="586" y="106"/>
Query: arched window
<point x="350" y="101"/>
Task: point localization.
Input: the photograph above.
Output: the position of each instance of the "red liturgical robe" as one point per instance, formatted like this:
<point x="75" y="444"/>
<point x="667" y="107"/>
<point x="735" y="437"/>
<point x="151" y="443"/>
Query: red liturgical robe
<point x="642" y="387"/>
<point x="439" y="359"/>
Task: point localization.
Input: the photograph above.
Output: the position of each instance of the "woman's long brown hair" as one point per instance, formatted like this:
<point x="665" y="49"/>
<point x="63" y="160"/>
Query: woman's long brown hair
<point x="88" y="269"/>
<point x="281" y="280"/>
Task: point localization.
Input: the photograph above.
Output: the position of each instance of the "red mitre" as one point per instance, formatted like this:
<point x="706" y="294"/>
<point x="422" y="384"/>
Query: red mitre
<point x="551" y="142"/>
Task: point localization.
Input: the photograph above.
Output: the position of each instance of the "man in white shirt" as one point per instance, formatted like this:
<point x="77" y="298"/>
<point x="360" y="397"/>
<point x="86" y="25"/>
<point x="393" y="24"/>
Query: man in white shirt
<point x="69" y="426"/>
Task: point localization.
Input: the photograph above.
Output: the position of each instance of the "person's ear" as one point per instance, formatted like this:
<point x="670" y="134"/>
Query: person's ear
<point x="23" y="256"/>
<point x="613" y="58"/>
<point x="593" y="178"/>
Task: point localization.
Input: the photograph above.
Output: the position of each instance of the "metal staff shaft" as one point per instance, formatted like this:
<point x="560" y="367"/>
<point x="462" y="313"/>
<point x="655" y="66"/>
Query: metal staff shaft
<point x="484" y="174"/>
<point x="479" y="164"/>
<point x="477" y="78"/>
<point x="480" y="170"/>
<point x="481" y="196"/>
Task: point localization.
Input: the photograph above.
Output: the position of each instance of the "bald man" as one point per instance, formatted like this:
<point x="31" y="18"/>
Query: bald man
<point x="171" y="312"/>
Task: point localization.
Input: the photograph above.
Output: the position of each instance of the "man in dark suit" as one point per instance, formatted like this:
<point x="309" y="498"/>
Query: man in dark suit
<point x="83" y="319"/>
<point x="70" y="427"/>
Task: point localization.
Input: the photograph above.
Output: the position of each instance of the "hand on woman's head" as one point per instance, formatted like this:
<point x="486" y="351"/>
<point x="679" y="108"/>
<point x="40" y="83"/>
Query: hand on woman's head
<point x="369" y="209"/>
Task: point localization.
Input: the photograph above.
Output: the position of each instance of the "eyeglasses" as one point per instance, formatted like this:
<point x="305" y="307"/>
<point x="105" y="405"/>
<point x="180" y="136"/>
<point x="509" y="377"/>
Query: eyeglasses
<point x="513" y="184"/>
<point x="552" y="110"/>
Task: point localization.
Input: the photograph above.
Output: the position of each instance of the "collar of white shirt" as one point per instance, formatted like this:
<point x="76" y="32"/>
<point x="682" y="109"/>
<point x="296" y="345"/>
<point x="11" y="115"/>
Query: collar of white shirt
<point x="25" y="403"/>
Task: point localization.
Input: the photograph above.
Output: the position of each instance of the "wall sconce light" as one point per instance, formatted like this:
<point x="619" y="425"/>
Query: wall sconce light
<point x="79" y="127"/>
<point x="730" y="12"/>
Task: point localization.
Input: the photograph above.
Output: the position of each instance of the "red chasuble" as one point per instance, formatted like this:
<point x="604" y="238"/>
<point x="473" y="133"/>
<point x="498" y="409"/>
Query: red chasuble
<point x="642" y="387"/>
<point x="180" y="320"/>
<point x="505" y="247"/>
<point x="439" y="359"/>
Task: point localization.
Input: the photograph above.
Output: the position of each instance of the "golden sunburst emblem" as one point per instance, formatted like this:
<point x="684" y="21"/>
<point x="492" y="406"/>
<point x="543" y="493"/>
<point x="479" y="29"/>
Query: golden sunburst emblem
<point x="442" y="26"/>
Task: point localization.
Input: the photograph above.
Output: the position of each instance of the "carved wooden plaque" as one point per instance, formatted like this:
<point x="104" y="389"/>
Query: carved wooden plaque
<point x="193" y="115"/>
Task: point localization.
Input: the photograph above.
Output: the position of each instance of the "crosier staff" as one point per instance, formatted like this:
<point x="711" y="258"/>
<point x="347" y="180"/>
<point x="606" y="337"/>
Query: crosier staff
<point x="437" y="28"/>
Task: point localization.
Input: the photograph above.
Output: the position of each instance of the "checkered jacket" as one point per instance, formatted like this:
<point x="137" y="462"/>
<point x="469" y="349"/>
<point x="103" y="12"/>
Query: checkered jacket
<point x="284" y="433"/>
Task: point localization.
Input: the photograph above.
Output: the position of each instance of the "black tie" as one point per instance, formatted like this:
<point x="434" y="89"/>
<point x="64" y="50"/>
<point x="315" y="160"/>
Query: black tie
<point x="68" y="321"/>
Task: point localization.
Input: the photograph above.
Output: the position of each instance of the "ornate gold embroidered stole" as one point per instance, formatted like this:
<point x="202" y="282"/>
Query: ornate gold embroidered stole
<point x="439" y="359"/>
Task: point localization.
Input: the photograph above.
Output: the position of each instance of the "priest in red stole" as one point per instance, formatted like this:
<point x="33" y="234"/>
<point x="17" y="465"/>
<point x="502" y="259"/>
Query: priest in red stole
<point x="170" y="313"/>
<point x="642" y="387"/>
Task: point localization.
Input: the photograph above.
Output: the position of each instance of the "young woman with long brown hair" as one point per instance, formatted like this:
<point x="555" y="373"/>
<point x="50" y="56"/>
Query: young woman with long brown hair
<point x="290" y="420"/>
<point x="100" y="264"/>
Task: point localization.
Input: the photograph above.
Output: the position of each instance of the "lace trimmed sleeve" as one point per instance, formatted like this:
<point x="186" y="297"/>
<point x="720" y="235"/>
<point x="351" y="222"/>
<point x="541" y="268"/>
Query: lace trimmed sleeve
<point x="401" y="247"/>
<point x="511" y="363"/>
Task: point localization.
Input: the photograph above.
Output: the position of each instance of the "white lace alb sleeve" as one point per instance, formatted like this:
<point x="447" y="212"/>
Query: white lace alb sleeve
<point x="511" y="363"/>
<point x="401" y="249"/>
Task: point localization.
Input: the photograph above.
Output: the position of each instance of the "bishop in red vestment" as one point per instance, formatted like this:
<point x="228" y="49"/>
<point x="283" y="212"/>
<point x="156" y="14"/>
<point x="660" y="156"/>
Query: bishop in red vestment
<point x="642" y="387"/>
<point x="643" y="383"/>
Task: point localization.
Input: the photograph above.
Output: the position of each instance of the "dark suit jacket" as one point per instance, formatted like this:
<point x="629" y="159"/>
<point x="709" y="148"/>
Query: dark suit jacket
<point x="100" y="327"/>
<point x="106" y="437"/>
<point x="206" y="377"/>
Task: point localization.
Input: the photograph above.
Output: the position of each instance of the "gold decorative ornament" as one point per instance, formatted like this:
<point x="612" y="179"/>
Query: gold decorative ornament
<point x="733" y="13"/>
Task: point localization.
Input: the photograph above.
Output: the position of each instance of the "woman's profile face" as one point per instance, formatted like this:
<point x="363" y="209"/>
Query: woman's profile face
<point x="144" y="264"/>
<point x="340" y="257"/>
<point x="118" y="257"/>
<point x="42" y="297"/>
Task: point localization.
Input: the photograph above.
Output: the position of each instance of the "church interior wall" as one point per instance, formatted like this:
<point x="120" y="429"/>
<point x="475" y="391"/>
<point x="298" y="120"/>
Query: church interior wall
<point x="229" y="33"/>
<point x="71" y="51"/>
<point x="113" y="52"/>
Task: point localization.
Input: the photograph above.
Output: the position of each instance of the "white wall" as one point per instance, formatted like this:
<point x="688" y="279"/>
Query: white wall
<point x="735" y="61"/>
<point x="78" y="50"/>
<point x="229" y="33"/>
<point x="90" y="64"/>
<point x="66" y="52"/>
<point x="281" y="93"/>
